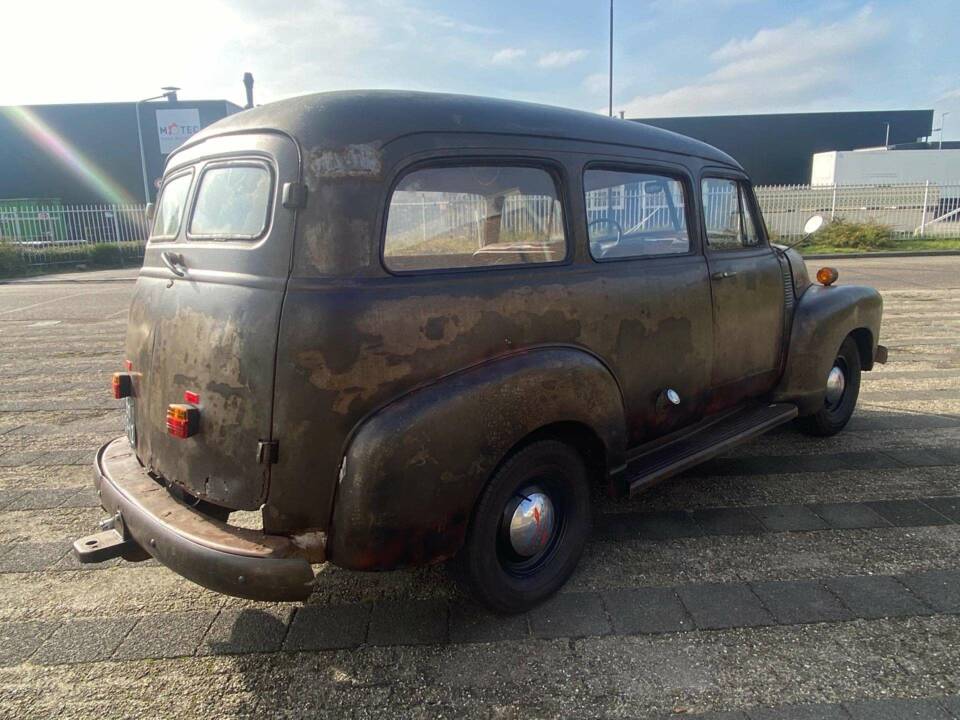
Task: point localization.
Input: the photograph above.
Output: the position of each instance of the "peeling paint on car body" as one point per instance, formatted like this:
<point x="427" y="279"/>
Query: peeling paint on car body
<point x="387" y="400"/>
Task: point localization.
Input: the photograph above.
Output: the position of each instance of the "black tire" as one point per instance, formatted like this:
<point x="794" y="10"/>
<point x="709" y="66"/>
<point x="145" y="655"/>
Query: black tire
<point x="834" y="416"/>
<point x="495" y="575"/>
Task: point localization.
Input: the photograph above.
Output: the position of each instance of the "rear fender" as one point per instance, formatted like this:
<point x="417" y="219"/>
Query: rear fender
<point x="413" y="471"/>
<point x="823" y="318"/>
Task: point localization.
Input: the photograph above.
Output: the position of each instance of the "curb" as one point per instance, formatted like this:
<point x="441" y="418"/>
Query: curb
<point x="893" y="254"/>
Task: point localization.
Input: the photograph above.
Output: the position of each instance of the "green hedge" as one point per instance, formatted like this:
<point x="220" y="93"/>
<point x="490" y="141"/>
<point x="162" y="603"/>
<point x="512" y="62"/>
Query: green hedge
<point x="20" y="260"/>
<point x="862" y="236"/>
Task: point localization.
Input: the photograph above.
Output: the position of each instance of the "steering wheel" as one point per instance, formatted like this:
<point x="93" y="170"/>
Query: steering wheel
<point x="604" y="247"/>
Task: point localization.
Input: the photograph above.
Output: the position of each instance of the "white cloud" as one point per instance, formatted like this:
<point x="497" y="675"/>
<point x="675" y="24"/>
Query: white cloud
<point x="791" y="66"/>
<point x="507" y="56"/>
<point x="596" y="83"/>
<point x="560" y="58"/>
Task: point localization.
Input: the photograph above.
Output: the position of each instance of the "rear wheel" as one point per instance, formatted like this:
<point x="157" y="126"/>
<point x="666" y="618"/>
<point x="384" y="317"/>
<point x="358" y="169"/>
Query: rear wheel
<point x="529" y="528"/>
<point x="840" y="399"/>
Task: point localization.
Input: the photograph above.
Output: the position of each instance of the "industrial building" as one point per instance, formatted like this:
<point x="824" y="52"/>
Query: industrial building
<point x="91" y="152"/>
<point x="778" y="149"/>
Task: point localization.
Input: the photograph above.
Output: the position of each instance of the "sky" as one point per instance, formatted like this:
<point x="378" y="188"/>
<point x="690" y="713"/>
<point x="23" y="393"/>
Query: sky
<point x="671" y="57"/>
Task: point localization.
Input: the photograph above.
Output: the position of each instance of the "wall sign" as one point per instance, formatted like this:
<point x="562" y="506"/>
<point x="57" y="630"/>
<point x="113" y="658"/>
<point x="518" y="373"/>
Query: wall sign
<point x="175" y="126"/>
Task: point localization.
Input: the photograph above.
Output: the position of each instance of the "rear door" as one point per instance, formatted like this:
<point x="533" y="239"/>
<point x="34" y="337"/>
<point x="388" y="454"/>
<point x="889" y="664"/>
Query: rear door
<point x="206" y="310"/>
<point x="747" y="287"/>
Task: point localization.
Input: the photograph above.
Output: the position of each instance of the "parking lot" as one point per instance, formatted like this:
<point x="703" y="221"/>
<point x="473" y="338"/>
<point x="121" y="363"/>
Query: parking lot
<point x="792" y="572"/>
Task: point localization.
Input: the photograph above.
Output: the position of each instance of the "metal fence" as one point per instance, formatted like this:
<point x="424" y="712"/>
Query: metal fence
<point x="52" y="234"/>
<point x="918" y="210"/>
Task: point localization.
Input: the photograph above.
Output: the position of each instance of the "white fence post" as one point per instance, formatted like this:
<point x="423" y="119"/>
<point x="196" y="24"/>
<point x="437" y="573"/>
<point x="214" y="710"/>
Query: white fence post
<point x="923" y="217"/>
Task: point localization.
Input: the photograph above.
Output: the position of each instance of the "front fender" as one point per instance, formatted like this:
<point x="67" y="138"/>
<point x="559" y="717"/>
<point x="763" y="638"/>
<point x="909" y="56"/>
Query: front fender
<point x="413" y="471"/>
<point x="823" y="318"/>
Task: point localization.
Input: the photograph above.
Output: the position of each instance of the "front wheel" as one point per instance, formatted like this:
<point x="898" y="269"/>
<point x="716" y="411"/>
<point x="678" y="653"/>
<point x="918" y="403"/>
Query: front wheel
<point x="840" y="399"/>
<point x="529" y="528"/>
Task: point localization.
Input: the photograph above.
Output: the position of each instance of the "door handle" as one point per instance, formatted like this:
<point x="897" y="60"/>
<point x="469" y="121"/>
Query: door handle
<point x="174" y="261"/>
<point x="723" y="275"/>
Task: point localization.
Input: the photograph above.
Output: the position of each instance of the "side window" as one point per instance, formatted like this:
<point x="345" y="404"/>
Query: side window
<point x="634" y="214"/>
<point x="169" y="214"/>
<point x="474" y="216"/>
<point x="232" y="202"/>
<point x="728" y="215"/>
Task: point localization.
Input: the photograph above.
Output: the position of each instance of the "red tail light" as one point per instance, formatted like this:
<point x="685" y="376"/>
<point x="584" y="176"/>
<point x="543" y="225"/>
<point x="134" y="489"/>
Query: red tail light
<point x="191" y="397"/>
<point x="183" y="421"/>
<point x="122" y="385"/>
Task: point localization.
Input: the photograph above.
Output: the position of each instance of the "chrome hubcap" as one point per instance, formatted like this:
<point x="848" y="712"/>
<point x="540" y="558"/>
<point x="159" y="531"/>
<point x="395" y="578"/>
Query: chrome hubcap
<point x="532" y="524"/>
<point x="836" y="384"/>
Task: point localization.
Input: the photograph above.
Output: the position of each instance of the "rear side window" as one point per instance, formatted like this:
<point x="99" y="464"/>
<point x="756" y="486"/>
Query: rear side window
<point x="232" y="202"/>
<point x="169" y="214"/>
<point x="634" y="214"/>
<point x="474" y="216"/>
<point x="728" y="215"/>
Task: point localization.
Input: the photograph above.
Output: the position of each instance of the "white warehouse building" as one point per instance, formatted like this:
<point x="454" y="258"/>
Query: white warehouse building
<point x="883" y="166"/>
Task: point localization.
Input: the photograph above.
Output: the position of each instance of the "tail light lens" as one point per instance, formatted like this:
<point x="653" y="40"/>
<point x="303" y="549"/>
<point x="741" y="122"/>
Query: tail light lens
<point x="183" y="421"/>
<point x="122" y="385"/>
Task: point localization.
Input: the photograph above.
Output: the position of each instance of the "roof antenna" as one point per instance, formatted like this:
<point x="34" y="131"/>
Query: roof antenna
<point x="248" y="84"/>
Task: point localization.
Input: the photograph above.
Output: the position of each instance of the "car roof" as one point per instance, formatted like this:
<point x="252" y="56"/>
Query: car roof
<point x="334" y="120"/>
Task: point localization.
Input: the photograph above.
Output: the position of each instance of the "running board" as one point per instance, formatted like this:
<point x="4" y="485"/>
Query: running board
<point x="695" y="448"/>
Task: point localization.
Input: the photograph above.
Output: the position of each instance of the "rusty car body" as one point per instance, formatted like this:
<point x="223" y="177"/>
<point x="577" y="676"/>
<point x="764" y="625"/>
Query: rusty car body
<point x="408" y="327"/>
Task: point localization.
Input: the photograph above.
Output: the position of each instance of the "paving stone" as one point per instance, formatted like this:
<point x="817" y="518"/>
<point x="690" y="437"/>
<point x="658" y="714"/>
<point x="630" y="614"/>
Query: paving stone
<point x="952" y="705"/>
<point x="328" y="627"/>
<point x="800" y="601"/>
<point x="84" y="640"/>
<point x="921" y="457"/>
<point x="646" y="610"/>
<point x="418" y="622"/>
<point x="250" y="630"/>
<point x="32" y="557"/>
<point x="570" y="615"/>
<point x="8" y="495"/>
<point x="728" y="521"/>
<point x="940" y="589"/>
<point x="724" y="605"/>
<point x="165" y="635"/>
<point x="87" y="497"/>
<point x="789" y="518"/>
<point x="19" y="640"/>
<point x="826" y="711"/>
<point x="848" y="516"/>
<point x="907" y="513"/>
<point x="872" y="597"/>
<point x="946" y="506"/>
<point x="666" y="525"/>
<point x="897" y="709"/>
<point x="42" y="499"/>
<point x="18" y="458"/>
<point x="471" y="623"/>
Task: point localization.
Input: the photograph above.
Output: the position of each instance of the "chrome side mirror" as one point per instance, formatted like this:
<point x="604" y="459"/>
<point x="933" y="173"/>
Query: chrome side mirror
<point x="813" y="224"/>
<point x="151" y="209"/>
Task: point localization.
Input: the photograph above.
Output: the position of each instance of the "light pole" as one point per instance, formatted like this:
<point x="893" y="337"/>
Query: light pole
<point x="611" y="58"/>
<point x="943" y="121"/>
<point x="170" y="93"/>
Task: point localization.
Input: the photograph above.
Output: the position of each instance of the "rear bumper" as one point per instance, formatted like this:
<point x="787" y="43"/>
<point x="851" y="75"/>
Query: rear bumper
<point x="236" y="561"/>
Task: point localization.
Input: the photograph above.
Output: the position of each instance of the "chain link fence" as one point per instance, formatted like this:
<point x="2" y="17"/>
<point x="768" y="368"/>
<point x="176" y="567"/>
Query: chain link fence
<point x="54" y="234"/>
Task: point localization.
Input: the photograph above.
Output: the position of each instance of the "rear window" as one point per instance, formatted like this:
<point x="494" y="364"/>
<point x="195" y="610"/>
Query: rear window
<point x="232" y="202"/>
<point x="474" y="216"/>
<point x="169" y="214"/>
